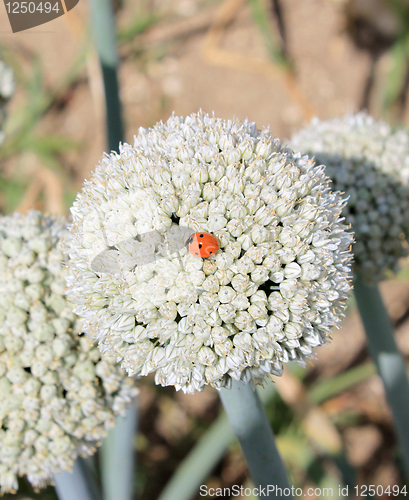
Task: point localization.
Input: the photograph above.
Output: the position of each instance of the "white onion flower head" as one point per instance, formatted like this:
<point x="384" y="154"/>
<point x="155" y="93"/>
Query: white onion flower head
<point x="58" y="397"/>
<point x="269" y="295"/>
<point x="370" y="163"/>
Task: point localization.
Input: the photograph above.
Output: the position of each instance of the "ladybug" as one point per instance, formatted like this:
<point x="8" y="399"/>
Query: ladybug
<point x="202" y="244"/>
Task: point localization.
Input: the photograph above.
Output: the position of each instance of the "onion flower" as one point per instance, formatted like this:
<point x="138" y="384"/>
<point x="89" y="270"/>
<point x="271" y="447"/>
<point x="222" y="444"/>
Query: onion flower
<point x="270" y="294"/>
<point x="58" y="397"/>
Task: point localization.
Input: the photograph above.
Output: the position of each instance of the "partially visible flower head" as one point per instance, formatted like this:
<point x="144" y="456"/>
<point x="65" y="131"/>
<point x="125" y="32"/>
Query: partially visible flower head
<point x="7" y="87"/>
<point x="370" y="163"/>
<point x="58" y="397"/>
<point x="270" y="294"/>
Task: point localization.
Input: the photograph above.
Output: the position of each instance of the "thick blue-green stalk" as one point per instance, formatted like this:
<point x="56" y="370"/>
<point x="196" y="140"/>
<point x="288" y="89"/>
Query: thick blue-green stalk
<point x="253" y="430"/>
<point x="78" y="484"/>
<point x="389" y="361"/>
<point x="103" y="24"/>
<point x="117" y="456"/>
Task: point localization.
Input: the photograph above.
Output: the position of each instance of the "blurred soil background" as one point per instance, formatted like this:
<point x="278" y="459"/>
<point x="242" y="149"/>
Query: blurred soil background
<point x="276" y="62"/>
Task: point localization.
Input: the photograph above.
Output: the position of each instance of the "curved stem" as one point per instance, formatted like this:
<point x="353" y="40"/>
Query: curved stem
<point x="252" y="428"/>
<point x="388" y="359"/>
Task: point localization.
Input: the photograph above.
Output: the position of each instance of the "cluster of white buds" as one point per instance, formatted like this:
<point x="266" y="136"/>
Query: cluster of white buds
<point x="370" y="163"/>
<point x="271" y="293"/>
<point x="58" y="397"/>
<point x="7" y="87"/>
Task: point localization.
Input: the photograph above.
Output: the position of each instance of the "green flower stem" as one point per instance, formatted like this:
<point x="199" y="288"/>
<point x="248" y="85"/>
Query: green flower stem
<point x="388" y="359"/>
<point x="252" y="428"/>
<point x="76" y="485"/>
<point x="117" y="454"/>
<point x="103" y="22"/>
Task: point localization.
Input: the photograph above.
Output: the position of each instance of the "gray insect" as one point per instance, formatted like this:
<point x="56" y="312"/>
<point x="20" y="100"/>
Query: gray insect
<point x="143" y="249"/>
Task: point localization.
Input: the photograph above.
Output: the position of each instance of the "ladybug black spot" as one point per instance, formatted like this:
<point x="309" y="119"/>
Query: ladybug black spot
<point x="175" y="218"/>
<point x="200" y="245"/>
<point x="201" y="235"/>
<point x="196" y="253"/>
<point x="210" y="253"/>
